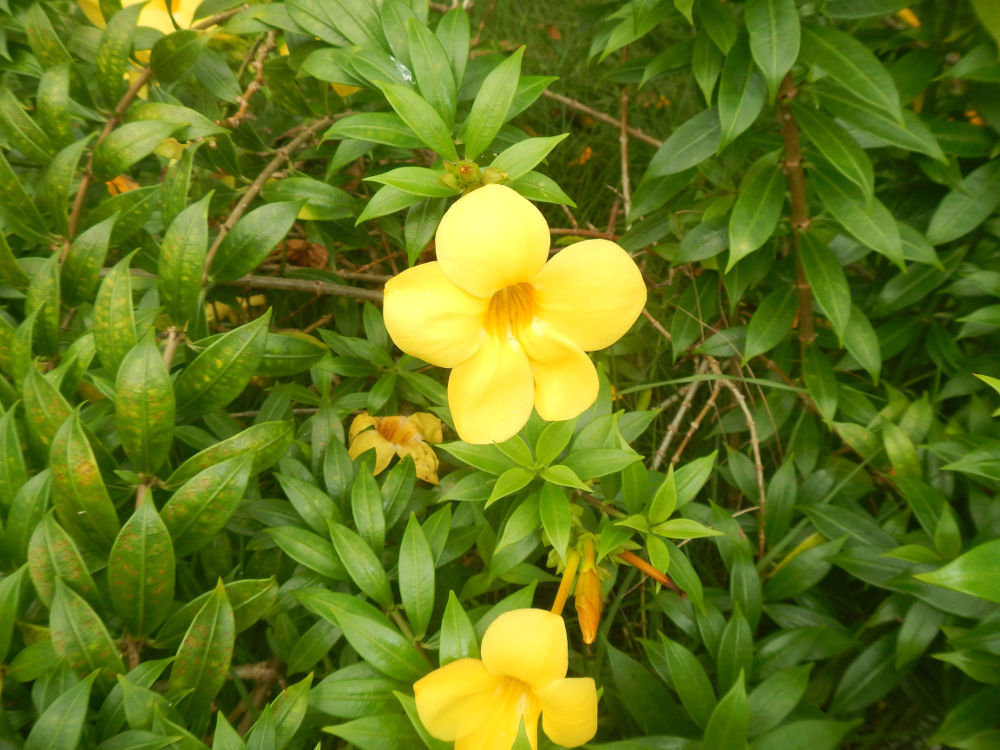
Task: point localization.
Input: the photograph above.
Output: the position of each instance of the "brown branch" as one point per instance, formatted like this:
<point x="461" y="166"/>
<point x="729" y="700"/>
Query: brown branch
<point x="623" y="145"/>
<point x="690" y="390"/>
<point x="608" y="119"/>
<point x="282" y="155"/>
<point x="696" y="423"/>
<point x="235" y="120"/>
<point x="800" y="211"/>
<point x="319" y="288"/>
<point x="174" y="337"/>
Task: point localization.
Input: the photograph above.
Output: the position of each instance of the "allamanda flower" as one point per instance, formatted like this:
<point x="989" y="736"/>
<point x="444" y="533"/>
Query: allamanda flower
<point x="401" y="436"/>
<point x="156" y="14"/>
<point x="479" y="704"/>
<point x="513" y="327"/>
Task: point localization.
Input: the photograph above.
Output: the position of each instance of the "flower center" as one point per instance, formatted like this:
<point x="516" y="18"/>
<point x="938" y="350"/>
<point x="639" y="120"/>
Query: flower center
<point x="510" y="309"/>
<point x="397" y="430"/>
<point x="515" y="699"/>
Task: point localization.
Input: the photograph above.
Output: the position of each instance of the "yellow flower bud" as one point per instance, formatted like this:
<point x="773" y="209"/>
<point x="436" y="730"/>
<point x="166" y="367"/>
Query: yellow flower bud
<point x="588" y="597"/>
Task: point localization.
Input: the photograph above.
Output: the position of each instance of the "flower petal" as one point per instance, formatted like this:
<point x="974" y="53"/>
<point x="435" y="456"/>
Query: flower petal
<point x="448" y="697"/>
<point x="424" y="458"/>
<point x="156" y="15"/>
<point x="528" y="645"/>
<point x="428" y="425"/>
<point x="569" y="710"/>
<point x="431" y="318"/>
<point x="565" y="379"/>
<point x="92" y="10"/>
<point x="490" y="239"/>
<point x="501" y="719"/>
<point x="364" y="421"/>
<point x="591" y="292"/>
<point x="384" y="450"/>
<point x="490" y="394"/>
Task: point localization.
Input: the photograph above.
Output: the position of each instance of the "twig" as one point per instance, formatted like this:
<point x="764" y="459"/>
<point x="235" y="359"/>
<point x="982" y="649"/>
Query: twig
<point x="305" y="285"/>
<point x="597" y="115"/>
<point x="696" y="423"/>
<point x="585" y="233"/>
<point x="623" y="143"/>
<point x="236" y="119"/>
<point x="657" y="325"/>
<point x="282" y="155"/>
<point x="691" y="389"/>
<point x="755" y="446"/>
<point x="174" y="338"/>
<point x="800" y="211"/>
<point x="633" y="559"/>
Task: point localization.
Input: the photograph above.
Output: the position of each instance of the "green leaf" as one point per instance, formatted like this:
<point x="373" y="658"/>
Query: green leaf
<point x="806" y="734"/>
<point x="144" y="406"/>
<point x="742" y="92"/>
<point x="386" y="201"/>
<point x="416" y="577"/>
<point x="361" y="564"/>
<point x="45" y="409"/>
<point x="774" y="698"/>
<point x="454" y="33"/>
<point x="203" y="659"/>
<point x="989" y="16"/>
<point x="492" y="102"/>
<point x="976" y="572"/>
<point x="196" y="125"/>
<point x="757" y="211"/>
<point x="775" y="36"/>
<point x="432" y="69"/>
<point x="510" y="482"/>
<point x="78" y="492"/>
<point x="265" y="442"/>
<point x="182" y="262"/>
<point x="21" y="131"/>
<point x="690" y="681"/>
<point x="861" y="341"/>
<point x="52" y="105"/>
<point x="62" y="723"/>
<point x="11" y="272"/>
<point x="839" y="149"/>
<point x="868" y="677"/>
<point x="79" y="635"/>
<point x="771" y="322"/>
<point x="689" y="145"/>
<point x="386" y="128"/>
<point x="875" y="227"/>
<point x="369" y="633"/>
<point x="323" y="202"/>
<point x="312" y="551"/>
<point x="81" y="269"/>
<point x="458" y="637"/>
<point x="421" y="118"/>
<point x="851" y="64"/>
<point x="538" y="187"/>
<point x="727" y="726"/>
<point x="129" y="143"/>
<point x="821" y="382"/>
<point x="141" y="571"/>
<point x="416" y="180"/>
<point x="27" y="510"/>
<point x="17" y="208"/>
<point x="11" y="588"/>
<point x="517" y="160"/>
<point x="828" y="282"/>
<point x="339" y="21"/>
<point x="734" y="656"/>
<point x="967" y="206"/>
<point x="222" y="370"/>
<point x="114" y="316"/>
<point x="43" y="295"/>
<point x="53" y="554"/>
<point x="173" y="54"/>
<point x="556" y="515"/>
<point x="203" y="505"/>
<point x="113" y="52"/>
<point x="251" y="599"/>
<point x="252" y="239"/>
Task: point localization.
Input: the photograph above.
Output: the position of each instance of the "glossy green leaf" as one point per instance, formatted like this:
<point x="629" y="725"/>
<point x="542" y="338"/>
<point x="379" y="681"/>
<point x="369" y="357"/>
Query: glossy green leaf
<point x="361" y="564"/>
<point x="27" y="510"/>
<point x="81" y="270"/>
<point x="967" y="206"/>
<point x="203" y="658"/>
<point x="821" y="381"/>
<point x="416" y="180"/>
<point x="114" y="316"/>
<point x="339" y="21"/>
<point x="144" y="406"/>
<point x="775" y="36"/>
<point x="79" y="635"/>
<point x="252" y="239"/>
<point x="772" y="321"/>
<point x="11" y="588"/>
<point x="421" y="118"/>
<point x="43" y="295"/>
<point x="62" y="723"/>
<point x="182" y="262"/>
<point x="493" y="100"/>
<point x="806" y="734"/>
<point x="689" y="145"/>
<point x="976" y="572"/>
<point x="52" y="105"/>
<point x="78" y="493"/>
<point x="250" y="598"/>
<point x="176" y="184"/>
<point x="376" y="127"/>
<point x="202" y="506"/>
<point x="173" y="54"/>
<point x="774" y="698"/>
<point x="734" y="656"/>
<point x="265" y="442"/>
<point x="839" y="149"/>
<point x="141" y="571"/>
<point x="13" y="471"/>
<point x="308" y="549"/>
<point x="127" y="144"/>
<point x="727" y="726"/>
<point x="17" y="208"/>
<point x="22" y="131"/>
<point x="517" y="160"/>
<point x="742" y="91"/>
<point x="432" y="69"/>
<point x="690" y="681"/>
<point x="416" y="577"/>
<point x="862" y="342"/>
<point x="827" y="280"/>
<point x="113" y="52"/>
<point x="757" y="211"/>
<point x="322" y="202"/>
<point x="53" y="554"/>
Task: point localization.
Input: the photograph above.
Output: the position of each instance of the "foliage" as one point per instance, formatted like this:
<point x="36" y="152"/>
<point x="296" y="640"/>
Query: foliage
<point x="195" y="228"/>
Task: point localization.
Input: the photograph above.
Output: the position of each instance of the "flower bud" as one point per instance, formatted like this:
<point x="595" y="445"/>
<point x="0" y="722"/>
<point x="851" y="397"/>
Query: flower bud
<point x="588" y="597"/>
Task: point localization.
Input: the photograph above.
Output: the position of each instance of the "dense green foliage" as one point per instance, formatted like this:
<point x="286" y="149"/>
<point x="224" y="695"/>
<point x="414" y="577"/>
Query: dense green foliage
<point x="799" y="431"/>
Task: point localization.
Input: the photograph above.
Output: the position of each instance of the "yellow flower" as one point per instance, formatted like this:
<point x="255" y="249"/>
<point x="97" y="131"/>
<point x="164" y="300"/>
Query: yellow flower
<point x="401" y="436"/>
<point x="156" y="14"/>
<point x="479" y="705"/>
<point x="513" y="327"/>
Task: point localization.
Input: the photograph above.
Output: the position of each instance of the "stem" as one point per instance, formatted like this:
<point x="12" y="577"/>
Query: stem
<point x="634" y="560"/>
<point x="173" y="339"/>
<point x="800" y="211"/>
<point x="598" y="115"/>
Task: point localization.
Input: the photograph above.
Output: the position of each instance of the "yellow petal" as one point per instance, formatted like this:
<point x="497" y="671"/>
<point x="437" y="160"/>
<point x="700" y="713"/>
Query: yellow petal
<point x="569" y="710"/>
<point x="528" y="645"/>
<point x="565" y="379"/>
<point x="431" y="318"/>
<point x="384" y="450"/>
<point x="364" y="421"/>
<point x="490" y="239"/>
<point x="92" y="10"/>
<point x="449" y="697"/>
<point x="156" y="15"/>
<point x="490" y="394"/>
<point x="500" y="720"/>
<point x="591" y="292"/>
<point x="424" y="459"/>
<point x="428" y="425"/>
